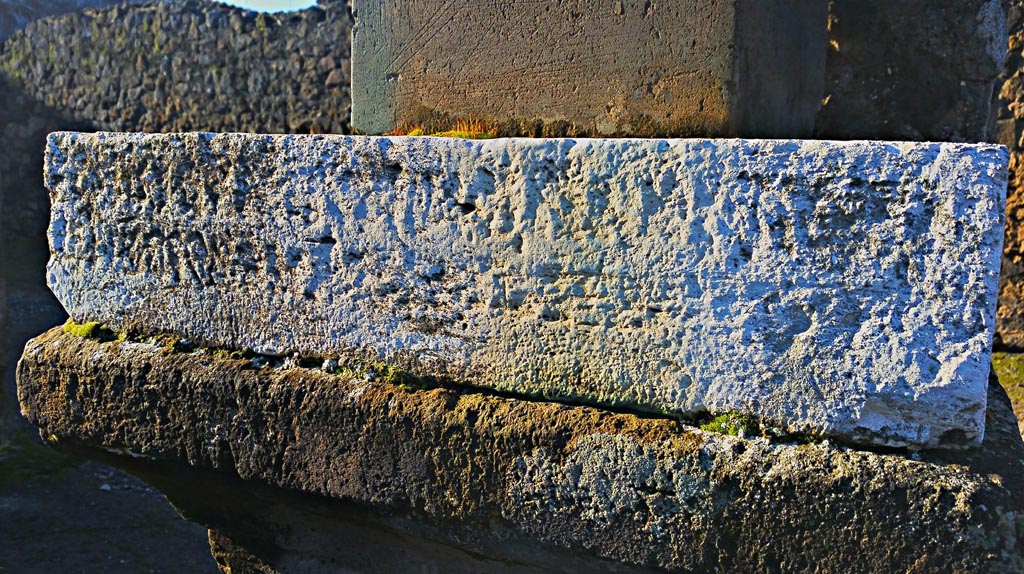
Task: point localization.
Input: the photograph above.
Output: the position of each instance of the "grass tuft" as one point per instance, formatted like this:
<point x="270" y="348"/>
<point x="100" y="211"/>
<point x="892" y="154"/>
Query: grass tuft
<point x="470" y="129"/>
<point x="732" y="424"/>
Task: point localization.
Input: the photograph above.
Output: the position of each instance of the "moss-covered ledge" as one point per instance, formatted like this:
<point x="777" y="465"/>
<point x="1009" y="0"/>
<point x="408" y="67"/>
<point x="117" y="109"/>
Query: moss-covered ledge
<point x="472" y="470"/>
<point x="357" y="367"/>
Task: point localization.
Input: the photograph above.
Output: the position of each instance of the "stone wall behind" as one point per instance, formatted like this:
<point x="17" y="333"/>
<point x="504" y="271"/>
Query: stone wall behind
<point x="1010" y="316"/>
<point x="186" y="65"/>
<point x="15" y="14"/>
<point x="189" y="66"/>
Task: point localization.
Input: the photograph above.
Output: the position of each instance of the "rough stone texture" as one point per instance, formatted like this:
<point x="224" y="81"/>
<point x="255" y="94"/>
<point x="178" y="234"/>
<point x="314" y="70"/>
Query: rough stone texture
<point x="483" y="472"/>
<point x="846" y="289"/>
<point x="1010" y="314"/>
<point x="913" y="69"/>
<point x="182" y="66"/>
<point x="259" y="529"/>
<point x="29" y="306"/>
<point x="749" y="68"/>
<point x="188" y="65"/>
<point x="16" y="14"/>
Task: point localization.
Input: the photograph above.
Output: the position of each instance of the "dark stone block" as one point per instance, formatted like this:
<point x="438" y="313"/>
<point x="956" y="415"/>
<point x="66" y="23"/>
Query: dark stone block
<point x="458" y="477"/>
<point x="913" y="69"/>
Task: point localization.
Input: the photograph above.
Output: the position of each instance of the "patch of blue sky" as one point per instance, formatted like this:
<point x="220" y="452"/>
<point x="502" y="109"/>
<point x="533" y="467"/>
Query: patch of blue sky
<point x="271" y="5"/>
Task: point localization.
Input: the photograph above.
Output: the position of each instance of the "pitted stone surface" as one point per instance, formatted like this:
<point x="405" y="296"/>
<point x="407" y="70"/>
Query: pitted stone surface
<point x="846" y="288"/>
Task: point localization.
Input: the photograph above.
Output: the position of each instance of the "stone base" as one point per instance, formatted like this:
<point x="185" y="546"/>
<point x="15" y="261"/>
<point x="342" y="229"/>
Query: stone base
<point x="259" y="529"/>
<point x="480" y="482"/>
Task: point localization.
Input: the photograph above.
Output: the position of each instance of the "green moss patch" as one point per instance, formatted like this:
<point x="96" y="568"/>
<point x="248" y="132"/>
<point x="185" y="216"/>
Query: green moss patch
<point x="732" y="424"/>
<point x="374" y="371"/>
<point x="432" y="124"/>
<point x="90" y="330"/>
<point x="1010" y="368"/>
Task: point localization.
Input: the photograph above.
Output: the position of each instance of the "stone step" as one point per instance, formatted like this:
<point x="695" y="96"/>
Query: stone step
<point x="451" y="480"/>
<point x="829" y="288"/>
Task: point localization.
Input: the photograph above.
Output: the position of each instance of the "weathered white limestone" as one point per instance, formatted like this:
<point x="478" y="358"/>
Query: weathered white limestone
<point x="846" y="289"/>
